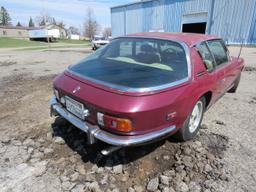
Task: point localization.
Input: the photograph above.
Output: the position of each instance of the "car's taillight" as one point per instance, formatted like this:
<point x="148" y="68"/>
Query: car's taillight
<point x="120" y="124"/>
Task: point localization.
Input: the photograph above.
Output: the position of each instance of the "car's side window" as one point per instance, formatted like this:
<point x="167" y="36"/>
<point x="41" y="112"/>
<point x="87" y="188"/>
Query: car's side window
<point x="218" y="51"/>
<point x="125" y="49"/>
<point x="206" y="56"/>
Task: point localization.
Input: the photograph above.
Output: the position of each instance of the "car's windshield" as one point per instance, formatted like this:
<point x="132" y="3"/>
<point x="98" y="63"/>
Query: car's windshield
<point x="136" y="63"/>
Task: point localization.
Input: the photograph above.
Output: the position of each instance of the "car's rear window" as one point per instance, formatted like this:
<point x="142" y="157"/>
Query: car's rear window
<point x="136" y="63"/>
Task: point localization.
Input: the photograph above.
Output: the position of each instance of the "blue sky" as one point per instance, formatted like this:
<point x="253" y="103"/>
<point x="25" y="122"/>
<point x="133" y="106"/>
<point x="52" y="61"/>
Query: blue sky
<point x="71" y="12"/>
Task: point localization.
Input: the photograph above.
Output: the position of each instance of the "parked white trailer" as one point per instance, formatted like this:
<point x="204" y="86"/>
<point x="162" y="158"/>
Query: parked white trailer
<point x="37" y="33"/>
<point x="74" y="37"/>
<point x="53" y="33"/>
<point x="44" y="34"/>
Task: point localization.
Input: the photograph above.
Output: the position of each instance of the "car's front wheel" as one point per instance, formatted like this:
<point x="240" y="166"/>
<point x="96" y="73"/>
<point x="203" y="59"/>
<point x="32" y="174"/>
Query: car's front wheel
<point x="193" y="122"/>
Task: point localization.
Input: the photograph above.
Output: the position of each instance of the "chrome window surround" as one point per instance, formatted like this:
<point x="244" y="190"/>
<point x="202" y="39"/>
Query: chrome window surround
<point x="224" y="46"/>
<point x="148" y="89"/>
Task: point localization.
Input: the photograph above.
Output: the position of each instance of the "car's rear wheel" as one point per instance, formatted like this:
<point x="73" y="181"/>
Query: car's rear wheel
<point x="193" y="122"/>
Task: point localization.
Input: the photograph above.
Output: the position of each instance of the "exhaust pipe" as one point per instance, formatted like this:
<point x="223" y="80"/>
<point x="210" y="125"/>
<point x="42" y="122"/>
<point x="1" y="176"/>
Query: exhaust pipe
<point x="110" y="150"/>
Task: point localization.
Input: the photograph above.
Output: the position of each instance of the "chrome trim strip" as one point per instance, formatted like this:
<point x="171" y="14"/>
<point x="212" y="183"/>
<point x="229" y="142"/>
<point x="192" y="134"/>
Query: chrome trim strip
<point x="201" y="73"/>
<point x="94" y="131"/>
<point x="132" y="140"/>
<point x="148" y="89"/>
<point x="201" y="41"/>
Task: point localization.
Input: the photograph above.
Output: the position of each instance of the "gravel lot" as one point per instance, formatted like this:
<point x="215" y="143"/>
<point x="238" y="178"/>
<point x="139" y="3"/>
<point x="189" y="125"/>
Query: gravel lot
<point x="40" y="153"/>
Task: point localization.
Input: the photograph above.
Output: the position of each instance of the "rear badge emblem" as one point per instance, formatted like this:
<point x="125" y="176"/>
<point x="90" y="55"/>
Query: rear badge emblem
<point x="76" y="89"/>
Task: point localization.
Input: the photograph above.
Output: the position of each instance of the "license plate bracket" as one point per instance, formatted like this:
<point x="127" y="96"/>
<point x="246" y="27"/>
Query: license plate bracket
<point x="75" y="107"/>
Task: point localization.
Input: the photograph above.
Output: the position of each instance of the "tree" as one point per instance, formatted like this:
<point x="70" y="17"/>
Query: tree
<point x="31" y="23"/>
<point x="91" y="26"/>
<point x="5" y="18"/>
<point x="44" y="18"/>
<point x="53" y="21"/>
<point x="60" y="24"/>
<point x="107" y="32"/>
<point x="73" y="30"/>
<point x="18" y="24"/>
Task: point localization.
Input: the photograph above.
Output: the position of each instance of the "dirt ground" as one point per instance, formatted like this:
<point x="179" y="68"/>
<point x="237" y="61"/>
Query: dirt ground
<point x="43" y="153"/>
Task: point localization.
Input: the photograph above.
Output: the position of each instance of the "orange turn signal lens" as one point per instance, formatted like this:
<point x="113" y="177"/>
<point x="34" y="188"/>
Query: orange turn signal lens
<point x="123" y="125"/>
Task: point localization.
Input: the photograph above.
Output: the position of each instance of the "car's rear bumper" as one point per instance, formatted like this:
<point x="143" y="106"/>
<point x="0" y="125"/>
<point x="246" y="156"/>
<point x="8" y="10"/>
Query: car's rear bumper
<point x="94" y="132"/>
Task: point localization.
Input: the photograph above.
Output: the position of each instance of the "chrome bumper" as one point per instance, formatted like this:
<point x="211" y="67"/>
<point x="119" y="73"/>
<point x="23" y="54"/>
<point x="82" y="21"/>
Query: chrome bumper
<point x="94" y="132"/>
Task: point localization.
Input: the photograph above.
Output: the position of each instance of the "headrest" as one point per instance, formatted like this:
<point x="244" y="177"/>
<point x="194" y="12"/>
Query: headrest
<point x="147" y="48"/>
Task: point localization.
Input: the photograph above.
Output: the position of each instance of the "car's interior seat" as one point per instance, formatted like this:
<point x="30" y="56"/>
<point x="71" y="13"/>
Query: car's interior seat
<point x="209" y="64"/>
<point x="148" y="55"/>
<point x="166" y="57"/>
<point x="206" y="59"/>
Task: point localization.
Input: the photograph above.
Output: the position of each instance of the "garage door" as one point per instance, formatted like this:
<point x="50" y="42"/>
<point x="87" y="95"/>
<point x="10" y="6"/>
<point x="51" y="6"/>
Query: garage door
<point x="194" y="22"/>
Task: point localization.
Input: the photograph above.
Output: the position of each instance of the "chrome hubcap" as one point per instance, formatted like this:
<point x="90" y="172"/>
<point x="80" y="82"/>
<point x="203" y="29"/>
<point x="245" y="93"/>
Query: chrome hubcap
<point x="195" y="117"/>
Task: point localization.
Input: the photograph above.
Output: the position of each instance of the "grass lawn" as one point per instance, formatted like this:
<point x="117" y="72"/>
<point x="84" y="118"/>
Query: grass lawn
<point x="70" y="41"/>
<point x="55" y="46"/>
<point x="6" y="42"/>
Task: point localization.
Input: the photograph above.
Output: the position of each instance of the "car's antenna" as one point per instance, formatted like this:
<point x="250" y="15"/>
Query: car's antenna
<point x="241" y="47"/>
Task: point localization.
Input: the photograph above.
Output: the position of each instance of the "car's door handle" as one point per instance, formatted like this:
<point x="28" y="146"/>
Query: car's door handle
<point x="201" y="73"/>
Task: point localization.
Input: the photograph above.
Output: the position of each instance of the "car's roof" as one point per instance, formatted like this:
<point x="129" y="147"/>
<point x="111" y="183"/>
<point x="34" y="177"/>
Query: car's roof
<point x="189" y="38"/>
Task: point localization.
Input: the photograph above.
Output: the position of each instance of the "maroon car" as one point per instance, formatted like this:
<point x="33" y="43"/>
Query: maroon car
<point x="146" y="86"/>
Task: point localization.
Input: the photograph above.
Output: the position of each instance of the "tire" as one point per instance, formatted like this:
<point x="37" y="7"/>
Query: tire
<point x="236" y="83"/>
<point x="191" y="127"/>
